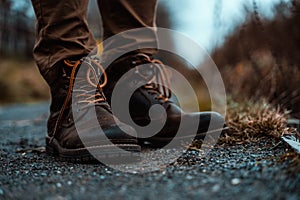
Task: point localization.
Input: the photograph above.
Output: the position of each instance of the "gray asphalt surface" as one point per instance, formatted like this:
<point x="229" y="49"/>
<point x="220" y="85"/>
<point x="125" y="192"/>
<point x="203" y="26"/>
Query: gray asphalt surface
<point x="249" y="171"/>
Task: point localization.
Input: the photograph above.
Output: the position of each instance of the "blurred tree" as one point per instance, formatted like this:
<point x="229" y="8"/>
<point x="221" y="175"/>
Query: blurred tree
<point x="16" y="30"/>
<point x="5" y="7"/>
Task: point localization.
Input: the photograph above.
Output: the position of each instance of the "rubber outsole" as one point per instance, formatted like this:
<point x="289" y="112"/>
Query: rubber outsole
<point x="159" y="142"/>
<point x="105" y="154"/>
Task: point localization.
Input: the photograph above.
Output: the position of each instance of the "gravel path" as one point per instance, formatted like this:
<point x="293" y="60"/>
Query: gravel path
<point x="252" y="171"/>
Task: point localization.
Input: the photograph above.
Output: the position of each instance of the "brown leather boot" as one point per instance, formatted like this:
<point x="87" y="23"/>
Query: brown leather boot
<point x="64" y="140"/>
<point x="151" y="94"/>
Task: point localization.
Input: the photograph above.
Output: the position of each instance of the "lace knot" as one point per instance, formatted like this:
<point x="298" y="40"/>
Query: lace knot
<point x="159" y="81"/>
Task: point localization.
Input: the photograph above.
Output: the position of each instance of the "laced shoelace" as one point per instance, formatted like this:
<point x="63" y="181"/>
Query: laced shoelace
<point x="159" y="84"/>
<point x="87" y="85"/>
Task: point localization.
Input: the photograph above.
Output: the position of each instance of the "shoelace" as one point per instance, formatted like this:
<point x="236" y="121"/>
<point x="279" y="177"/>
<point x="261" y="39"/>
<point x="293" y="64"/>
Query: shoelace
<point x="159" y="84"/>
<point x="86" y="90"/>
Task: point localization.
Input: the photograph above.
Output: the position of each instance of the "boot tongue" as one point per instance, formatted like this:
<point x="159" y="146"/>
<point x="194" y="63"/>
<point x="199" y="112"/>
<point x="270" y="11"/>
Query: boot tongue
<point x="88" y="86"/>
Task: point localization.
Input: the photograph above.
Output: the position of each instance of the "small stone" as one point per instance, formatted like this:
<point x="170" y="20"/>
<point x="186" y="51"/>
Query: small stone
<point x="43" y="174"/>
<point x="69" y="182"/>
<point x="189" y="177"/>
<point x="82" y="189"/>
<point x="1" y="192"/>
<point x="102" y="177"/>
<point x="235" y="181"/>
<point x="216" y="188"/>
<point x="58" y="185"/>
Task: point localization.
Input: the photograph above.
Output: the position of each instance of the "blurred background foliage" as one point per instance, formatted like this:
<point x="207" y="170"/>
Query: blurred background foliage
<point x="258" y="59"/>
<point x="16" y="30"/>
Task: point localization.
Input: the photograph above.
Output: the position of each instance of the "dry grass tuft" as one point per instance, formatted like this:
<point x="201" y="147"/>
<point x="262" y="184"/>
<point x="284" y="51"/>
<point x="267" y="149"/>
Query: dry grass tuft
<point x="251" y="121"/>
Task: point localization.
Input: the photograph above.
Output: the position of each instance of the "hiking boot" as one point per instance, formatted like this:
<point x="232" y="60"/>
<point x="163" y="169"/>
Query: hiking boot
<point x="74" y="143"/>
<point x="195" y="126"/>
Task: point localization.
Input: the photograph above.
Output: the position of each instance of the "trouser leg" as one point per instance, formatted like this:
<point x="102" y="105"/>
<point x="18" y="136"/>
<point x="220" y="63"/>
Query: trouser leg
<point x="123" y="15"/>
<point x="61" y="32"/>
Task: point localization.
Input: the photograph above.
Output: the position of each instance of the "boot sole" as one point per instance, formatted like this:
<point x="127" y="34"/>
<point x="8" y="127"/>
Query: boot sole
<point x="159" y="142"/>
<point x="125" y="153"/>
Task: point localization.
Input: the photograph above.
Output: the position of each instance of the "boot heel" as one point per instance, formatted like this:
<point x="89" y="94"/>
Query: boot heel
<point x="49" y="149"/>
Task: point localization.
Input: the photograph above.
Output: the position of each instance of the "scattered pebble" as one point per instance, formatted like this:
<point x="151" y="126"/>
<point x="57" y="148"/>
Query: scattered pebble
<point x="43" y="174"/>
<point x="216" y="188"/>
<point x="235" y="181"/>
